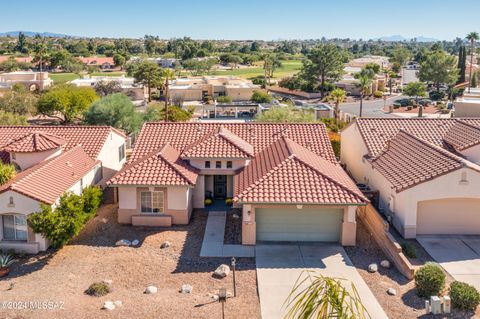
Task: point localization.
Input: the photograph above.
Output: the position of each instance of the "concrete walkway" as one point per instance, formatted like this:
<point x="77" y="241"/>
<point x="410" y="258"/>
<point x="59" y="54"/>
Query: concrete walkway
<point x="280" y="266"/>
<point x="212" y="245"/>
<point x="458" y="255"/>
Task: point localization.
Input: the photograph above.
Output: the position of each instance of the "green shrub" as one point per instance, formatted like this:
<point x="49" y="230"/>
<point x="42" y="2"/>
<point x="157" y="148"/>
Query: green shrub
<point x="464" y="296"/>
<point x="429" y="280"/>
<point x="98" y="289"/>
<point x="208" y="202"/>
<point x="229" y="201"/>
<point x="224" y="99"/>
<point x="378" y="94"/>
<point x="261" y="97"/>
<point x="7" y="172"/>
<point x="61" y="224"/>
<point x="409" y="250"/>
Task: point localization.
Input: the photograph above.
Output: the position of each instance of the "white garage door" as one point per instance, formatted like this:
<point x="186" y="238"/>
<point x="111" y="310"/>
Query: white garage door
<point x="449" y="216"/>
<point x="281" y="224"/>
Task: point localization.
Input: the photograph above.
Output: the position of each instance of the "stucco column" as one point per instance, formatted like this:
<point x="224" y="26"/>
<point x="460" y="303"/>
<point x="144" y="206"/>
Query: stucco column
<point x="349" y="226"/>
<point x="248" y="225"/>
<point x="410" y="222"/>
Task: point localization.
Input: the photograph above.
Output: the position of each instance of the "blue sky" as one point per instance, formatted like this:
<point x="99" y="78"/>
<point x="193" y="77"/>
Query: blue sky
<point x="244" y="19"/>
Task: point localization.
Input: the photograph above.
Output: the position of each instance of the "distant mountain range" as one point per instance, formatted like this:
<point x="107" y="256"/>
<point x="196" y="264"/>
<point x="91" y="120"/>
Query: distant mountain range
<point x="399" y="38"/>
<point x="32" y="34"/>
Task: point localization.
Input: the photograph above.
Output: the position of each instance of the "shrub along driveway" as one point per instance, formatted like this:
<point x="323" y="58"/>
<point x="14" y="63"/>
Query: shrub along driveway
<point x="279" y="267"/>
<point x="458" y="255"/>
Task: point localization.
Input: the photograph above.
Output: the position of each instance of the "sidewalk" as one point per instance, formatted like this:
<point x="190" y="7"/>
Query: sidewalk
<point x="213" y="246"/>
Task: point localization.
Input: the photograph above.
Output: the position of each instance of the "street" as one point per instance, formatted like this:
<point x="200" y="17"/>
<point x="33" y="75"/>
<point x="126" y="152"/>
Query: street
<point x="370" y="108"/>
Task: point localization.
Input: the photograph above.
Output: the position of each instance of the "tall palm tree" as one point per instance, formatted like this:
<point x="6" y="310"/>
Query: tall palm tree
<point x="365" y="85"/>
<point x="40" y="54"/>
<point x="324" y="297"/>
<point x="337" y="96"/>
<point x="472" y="37"/>
<point x="167" y="75"/>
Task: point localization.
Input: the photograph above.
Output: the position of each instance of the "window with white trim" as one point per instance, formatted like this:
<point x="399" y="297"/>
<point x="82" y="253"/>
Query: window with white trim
<point x="151" y="202"/>
<point x="15" y="227"/>
<point x="121" y="152"/>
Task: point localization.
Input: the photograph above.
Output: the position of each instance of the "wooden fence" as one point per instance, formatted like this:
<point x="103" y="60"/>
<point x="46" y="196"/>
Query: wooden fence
<point x="379" y="229"/>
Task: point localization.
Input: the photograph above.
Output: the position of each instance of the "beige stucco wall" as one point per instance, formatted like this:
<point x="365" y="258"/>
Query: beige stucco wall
<point x="198" y="193"/>
<point x="236" y="164"/>
<point x="465" y="109"/>
<point x="472" y="154"/>
<point x="26" y="160"/>
<point x="109" y="156"/>
<point x="239" y="93"/>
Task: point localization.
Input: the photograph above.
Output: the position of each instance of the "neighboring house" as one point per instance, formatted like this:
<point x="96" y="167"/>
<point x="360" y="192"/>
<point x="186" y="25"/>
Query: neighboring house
<point x="135" y="92"/>
<point x="284" y="177"/>
<point x="469" y="104"/>
<point x="33" y="81"/>
<point x="50" y="161"/>
<point x="26" y="59"/>
<point x="198" y="88"/>
<point x="350" y="84"/>
<point x="425" y="170"/>
<point x="362" y="62"/>
<point x="104" y="63"/>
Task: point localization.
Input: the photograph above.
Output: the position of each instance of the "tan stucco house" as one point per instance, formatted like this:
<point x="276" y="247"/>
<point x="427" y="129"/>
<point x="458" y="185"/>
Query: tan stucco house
<point x="425" y="170"/>
<point x="284" y="177"/>
<point x="50" y="161"/>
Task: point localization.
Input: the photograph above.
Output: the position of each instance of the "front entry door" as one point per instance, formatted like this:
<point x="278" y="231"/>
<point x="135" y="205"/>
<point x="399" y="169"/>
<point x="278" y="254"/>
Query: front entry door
<point x="220" y="186"/>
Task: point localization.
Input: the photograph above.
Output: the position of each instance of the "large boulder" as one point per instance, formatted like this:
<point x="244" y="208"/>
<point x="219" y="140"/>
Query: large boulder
<point x="186" y="289"/>
<point x="108" y="305"/>
<point x="222" y="271"/>
<point x="385" y="263"/>
<point x="151" y="290"/>
<point x="165" y="245"/>
<point x="123" y="242"/>
<point x="373" y="268"/>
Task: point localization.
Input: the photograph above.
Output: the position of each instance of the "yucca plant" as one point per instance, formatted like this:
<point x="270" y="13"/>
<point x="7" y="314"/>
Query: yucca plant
<point x="6" y="260"/>
<point x="324" y="298"/>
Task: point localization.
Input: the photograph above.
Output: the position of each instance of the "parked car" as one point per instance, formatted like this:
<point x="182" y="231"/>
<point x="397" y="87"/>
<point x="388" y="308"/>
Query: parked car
<point x="401" y="102"/>
<point x="425" y="102"/>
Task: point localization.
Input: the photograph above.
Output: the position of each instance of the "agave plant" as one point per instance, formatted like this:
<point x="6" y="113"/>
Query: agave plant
<point x="325" y="297"/>
<point x="6" y="260"/>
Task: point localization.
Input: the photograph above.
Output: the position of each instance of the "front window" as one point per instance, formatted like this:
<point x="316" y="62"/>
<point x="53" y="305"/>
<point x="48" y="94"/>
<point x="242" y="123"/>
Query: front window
<point x="218" y="164"/>
<point x="229" y="164"/>
<point x="14" y="227"/>
<point x="121" y="152"/>
<point x="151" y="202"/>
<point x="207" y="164"/>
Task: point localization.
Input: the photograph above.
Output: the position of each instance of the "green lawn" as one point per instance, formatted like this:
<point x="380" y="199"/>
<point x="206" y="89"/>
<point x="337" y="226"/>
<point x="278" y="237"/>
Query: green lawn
<point x="289" y="68"/>
<point x="65" y="77"/>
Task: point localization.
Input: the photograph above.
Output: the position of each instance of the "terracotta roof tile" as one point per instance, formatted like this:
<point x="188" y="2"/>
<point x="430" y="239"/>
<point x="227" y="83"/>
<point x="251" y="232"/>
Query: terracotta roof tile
<point x="48" y="180"/>
<point x="286" y="172"/>
<point x="221" y="143"/>
<point x="164" y="167"/>
<point x="36" y="141"/>
<point x="463" y="135"/>
<point x="92" y="138"/>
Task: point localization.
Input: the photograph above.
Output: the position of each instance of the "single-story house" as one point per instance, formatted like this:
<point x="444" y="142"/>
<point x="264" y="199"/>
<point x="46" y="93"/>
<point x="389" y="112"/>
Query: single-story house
<point x="284" y="177"/>
<point x="104" y="63"/>
<point x="426" y="171"/>
<point x="50" y="161"/>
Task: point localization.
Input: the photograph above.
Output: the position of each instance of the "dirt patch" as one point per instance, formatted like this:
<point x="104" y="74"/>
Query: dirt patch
<point x="63" y="276"/>
<point x="406" y="304"/>
<point x="233" y="227"/>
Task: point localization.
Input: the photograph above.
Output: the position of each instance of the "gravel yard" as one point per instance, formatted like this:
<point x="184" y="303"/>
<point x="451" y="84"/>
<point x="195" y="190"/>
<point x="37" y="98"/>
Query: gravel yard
<point x="233" y="227"/>
<point x="64" y="275"/>
<point x="406" y="304"/>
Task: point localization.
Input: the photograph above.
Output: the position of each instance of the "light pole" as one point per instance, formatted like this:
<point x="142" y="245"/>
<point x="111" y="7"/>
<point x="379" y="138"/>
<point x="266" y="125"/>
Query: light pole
<point x="222" y="297"/>
<point x="234" y="281"/>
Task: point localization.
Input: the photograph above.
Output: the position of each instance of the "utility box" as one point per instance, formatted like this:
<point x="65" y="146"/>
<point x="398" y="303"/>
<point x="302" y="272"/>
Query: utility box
<point x="447" y="304"/>
<point x="436" y="305"/>
<point x="427" y="307"/>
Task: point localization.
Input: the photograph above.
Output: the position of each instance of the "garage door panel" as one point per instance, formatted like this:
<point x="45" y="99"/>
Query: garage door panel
<point x="459" y="216"/>
<point x="283" y="224"/>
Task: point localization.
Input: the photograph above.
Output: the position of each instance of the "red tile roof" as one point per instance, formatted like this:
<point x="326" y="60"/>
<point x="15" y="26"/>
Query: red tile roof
<point x="463" y="135"/>
<point x="164" y="167"/>
<point x="97" y="60"/>
<point x="408" y="161"/>
<point x="36" y="141"/>
<point x="260" y="135"/>
<point x="286" y="172"/>
<point x="220" y="143"/>
<point x="92" y="138"/>
<point x="48" y="180"/>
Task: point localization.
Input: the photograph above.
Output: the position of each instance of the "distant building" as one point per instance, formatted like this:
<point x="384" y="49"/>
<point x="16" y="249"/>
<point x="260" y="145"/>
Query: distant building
<point x="104" y="63"/>
<point x="33" y="81"/>
<point x="368" y="59"/>
<point x="469" y="104"/>
<point x="198" y="88"/>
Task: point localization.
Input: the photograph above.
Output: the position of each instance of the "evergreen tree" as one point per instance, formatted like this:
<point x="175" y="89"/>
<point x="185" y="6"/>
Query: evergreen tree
<point x="462" y="65"/>
<point x="474" y="80"/>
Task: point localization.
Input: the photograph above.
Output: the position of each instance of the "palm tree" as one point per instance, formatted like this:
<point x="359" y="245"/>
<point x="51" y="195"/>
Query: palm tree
<point x="40" y="54"/>
<point x="365" y="85"/>
<point x="472" y="37"/>
<point x="167" y="74"/>
<point x="324" y="297"/>
<point x="337" y="96"/>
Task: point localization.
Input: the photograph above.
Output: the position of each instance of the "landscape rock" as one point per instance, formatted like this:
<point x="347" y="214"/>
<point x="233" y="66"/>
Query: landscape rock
<point x="186" y="289"/>
<point x="391" y="292"/>
<point x="108" y="305"/>
<point x="214" y="297"/>
<point x="118" y="303"/>
<point x="135" y="242"/>
<point x="165" y="245"/>
<point x="235" y="216"/>
<point x="385" y="263"/>
<point x="222" y="271"/>
<point x="373" y="268"/>
<point x="151" y="290"/>
<point x="123" y="242"/>
<point x="108" y="281"/>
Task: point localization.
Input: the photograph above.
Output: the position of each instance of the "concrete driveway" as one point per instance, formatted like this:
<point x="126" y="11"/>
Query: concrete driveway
<point x="458" y="255"/>
<point x="280" y="266"/>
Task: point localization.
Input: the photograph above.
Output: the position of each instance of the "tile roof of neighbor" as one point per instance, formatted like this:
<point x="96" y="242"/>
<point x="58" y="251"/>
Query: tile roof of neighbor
<point x="221" y="143"/>
<point x="92" y="138"/>
<point x="408" y="161"/>
<point x="286" y="172"/>
<point x="36" y="141"/>
<point x="260" y="135"/>
<point x="463" y="135"/>
<point x="163" y="167"/>
<point x="49" y="179"/>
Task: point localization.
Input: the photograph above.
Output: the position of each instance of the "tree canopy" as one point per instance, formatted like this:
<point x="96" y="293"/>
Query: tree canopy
<point x="156" y="112"/>
<point x="19" y="101"/>
<point x="287" y="114"/>
<point x="147" y="73"/>
<point x="439" y="68"/>
<point x="261" y="97"/>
